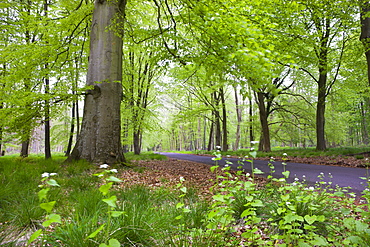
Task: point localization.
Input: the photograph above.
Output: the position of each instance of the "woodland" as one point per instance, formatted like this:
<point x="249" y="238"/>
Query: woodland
<point x="183" y="75"/>
<point x="106" y="80"/>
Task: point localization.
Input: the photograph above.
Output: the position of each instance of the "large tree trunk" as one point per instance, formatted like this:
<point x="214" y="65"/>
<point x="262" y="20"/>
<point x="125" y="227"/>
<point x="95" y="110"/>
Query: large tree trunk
<point x="365" y="33"/>
<point x="265" y="140"/>
<point x="321" y="94"/>
<point x="365" y="39"/>
<point x="100" y="137"/>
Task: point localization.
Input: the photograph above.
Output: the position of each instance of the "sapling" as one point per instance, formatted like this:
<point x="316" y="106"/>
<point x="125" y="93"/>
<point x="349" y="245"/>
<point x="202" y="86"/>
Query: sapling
<point x="108" y="179"/>
<point x="46" y="184"/>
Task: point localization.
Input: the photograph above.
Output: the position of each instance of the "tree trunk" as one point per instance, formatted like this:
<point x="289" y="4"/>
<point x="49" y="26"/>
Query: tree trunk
<point x="25" y="148"/>
<point x="238" y="118"/>
<point x="71" y="132"/>
<point x="320" y="113"/>
<point x="210" y="140"/>
<point x="265" y="141"/>
<point x="365" y="39"/>
<point x="365" y="33"/>
<point x="251" y="135"/>
<point x="47" y="122"/>
<point x="225" y="145"/>
<point x="100" y="137"/>
<point x="137" y="142"/>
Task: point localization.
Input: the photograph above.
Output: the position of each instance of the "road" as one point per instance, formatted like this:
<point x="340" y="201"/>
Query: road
<point x="341" y="176"/>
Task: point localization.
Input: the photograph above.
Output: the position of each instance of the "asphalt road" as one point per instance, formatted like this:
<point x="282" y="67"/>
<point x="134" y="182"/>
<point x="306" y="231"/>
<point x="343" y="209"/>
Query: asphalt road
<point x="341" y="176"/>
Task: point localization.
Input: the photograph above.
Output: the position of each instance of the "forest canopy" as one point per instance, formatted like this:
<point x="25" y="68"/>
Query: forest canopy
<point x="195" y="74"/>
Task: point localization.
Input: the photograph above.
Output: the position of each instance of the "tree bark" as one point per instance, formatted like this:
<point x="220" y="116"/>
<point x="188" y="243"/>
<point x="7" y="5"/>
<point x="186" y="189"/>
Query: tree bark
<point x="100" y="137"/>
<point x="365" y="39"/>
<point x="225" y="145"/>
<point x="238" y="118"/>
<point x="71" y="132"/>
<point x="322" y="92"/>
<point x="265" y="141"/>
<point x="251" y="135"/>
<point x="365" y="33"/>
<point x="25" y="148"/>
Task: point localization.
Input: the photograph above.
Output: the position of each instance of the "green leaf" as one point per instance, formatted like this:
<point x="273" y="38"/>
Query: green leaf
<point x="219" y="198"/>
<point x="52" y="218"/>
<point x="103" y="245"/>
<point x="52" y="182"/>
<point x="48" y="206"/>
<point x="111" y="201"/>
<point x="286" y="174"/>
<point x="104" y="189"/>
<point x="257" y="171"/>
<point x="114" y="243"/>
<point x="310" y="219"/>
<point x="253" y="154"/>
<point x="257" y="203"/>
<point x="114" y="179"/>
<point x="116" y="214"/>
<point x="43" y="194"/>
<point x="35" y="235"/>
<point x="179" y="205"/>
<point x="93" y="235"/>
<point x="213" y="168"/>
<point x="319" y="241"/>
<point x="184" y="190"/>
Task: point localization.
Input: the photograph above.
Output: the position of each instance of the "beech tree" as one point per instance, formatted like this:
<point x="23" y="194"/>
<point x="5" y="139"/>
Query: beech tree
<point x="100" y="137"/>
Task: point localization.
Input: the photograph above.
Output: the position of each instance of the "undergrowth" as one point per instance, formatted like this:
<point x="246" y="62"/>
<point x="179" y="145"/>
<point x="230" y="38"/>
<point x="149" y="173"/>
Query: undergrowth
<point x="84" y="205"/>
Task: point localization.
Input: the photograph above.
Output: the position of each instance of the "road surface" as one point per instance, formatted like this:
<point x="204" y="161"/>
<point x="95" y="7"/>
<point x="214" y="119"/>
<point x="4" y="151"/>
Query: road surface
<point x="341" y="176"/>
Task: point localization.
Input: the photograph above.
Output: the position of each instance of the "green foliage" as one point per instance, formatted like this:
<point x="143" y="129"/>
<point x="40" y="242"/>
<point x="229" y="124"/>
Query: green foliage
<point x="144" y="156"/>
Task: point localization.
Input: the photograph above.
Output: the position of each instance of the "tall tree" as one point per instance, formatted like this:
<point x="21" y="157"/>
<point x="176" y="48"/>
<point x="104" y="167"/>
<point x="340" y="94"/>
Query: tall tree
<point x="100" y="137"/>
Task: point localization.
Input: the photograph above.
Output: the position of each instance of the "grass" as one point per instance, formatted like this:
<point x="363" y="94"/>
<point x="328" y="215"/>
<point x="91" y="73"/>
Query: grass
<point x="241" y="213"/>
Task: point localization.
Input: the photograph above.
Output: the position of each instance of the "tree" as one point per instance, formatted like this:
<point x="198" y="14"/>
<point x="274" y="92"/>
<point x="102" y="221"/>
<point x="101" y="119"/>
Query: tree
<point x="100" y="137"/>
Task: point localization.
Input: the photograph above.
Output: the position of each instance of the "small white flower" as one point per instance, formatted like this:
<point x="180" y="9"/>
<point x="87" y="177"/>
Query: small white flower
<point x="104" y="166"/>
<point x="213" y="158"/>
<point x="272" y="158"/>
<point x="53" y="174"/>
<point x="45" y="175"/>
<point x="226" y="165"/>
<point x="311" y="188"/>
<point x="303" y="176"/>
<point x="284" y="154"/>
<point x="218" y="147"/>
<point x="254" y="142"/>
<point x="294" y="184"/>
<point x="247" y="174"/>
<point x="287" y="203"/>
<point x="114" y="170"/>
<point x="100" y="175"/>
<point x="296" y="179"/>
<point x="228" y="156"/>
<point x="252" y="149"/>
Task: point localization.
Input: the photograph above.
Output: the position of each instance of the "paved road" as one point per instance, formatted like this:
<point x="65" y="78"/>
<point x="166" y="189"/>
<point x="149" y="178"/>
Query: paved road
<point x="341" y="176"/>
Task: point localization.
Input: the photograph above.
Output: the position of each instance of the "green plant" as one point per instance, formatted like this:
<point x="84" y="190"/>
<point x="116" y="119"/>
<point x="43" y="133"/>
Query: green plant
<point x="46" y="204"/>
<point x="110" y="200"/>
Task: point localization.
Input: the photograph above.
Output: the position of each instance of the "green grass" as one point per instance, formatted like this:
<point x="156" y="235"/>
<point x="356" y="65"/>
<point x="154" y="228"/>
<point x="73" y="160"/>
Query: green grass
<point x="144" y="156"/>
<point x="282" y="213"/>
